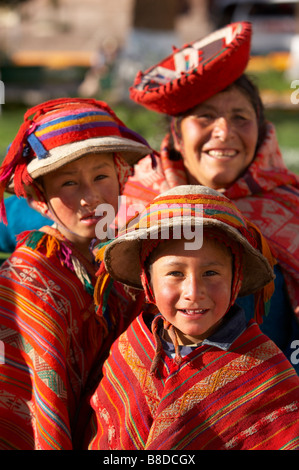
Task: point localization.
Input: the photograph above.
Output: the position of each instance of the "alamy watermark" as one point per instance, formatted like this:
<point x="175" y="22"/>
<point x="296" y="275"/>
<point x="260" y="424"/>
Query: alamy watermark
<point x="162" y="215"/>
<point x="2" y="93"/>
<point x="295" y="94"/>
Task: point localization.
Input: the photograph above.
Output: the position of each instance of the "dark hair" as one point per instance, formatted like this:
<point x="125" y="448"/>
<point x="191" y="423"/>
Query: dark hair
<point x="246" y="86"/>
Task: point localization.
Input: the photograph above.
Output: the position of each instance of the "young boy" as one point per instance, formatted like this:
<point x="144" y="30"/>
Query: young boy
<point x="69" y="156"/>
<point x="195" y="375"/>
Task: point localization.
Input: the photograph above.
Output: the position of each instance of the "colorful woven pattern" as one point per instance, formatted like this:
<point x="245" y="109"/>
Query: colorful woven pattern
<point x="53" y="345"/>
<point x="245" y="398"/>
<point x="192" y="206"/>
<point x="74" y="123"/>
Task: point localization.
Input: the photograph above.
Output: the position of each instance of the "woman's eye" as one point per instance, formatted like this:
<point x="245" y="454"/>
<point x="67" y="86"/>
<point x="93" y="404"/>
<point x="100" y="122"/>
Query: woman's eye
<point x="205" y="117"/>
<point x="240" y="117"/>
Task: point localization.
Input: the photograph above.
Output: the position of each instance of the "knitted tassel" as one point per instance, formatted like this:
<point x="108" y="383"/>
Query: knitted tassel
<point x="104" y="281"/>
<point x="3" y="212"/>
<point x="159" y="347"/>
<point x="102" y="288"/>
<point x="12" y="159"/>
<point x="173" y="336"/>
<point x="263" y="297"/>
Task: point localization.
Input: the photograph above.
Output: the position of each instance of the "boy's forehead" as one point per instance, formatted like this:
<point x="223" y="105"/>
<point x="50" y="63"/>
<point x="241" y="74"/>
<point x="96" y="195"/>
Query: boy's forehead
<point x="175" y="247"/>
<point x="96" y="159"/>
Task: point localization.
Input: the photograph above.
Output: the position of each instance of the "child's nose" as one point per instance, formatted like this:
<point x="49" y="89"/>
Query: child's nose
<point x="193" y="289"/>
<point x="89" y="197"/>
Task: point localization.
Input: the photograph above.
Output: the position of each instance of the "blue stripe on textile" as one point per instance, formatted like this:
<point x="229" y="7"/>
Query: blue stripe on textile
<point x="71" y="117"/>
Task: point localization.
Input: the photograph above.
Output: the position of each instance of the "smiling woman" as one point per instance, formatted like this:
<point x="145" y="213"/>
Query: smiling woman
<point x="217" y="139"/>
<point x="69" y="156"/>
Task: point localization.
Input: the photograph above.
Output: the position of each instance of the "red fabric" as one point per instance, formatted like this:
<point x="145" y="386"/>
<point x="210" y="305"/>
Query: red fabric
<point x="54" y="347"/>
<point x="245" y="398"/>
<point x="171" y="86"/>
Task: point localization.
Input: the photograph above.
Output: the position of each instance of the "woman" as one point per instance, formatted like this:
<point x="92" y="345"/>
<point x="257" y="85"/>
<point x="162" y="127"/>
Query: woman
<point x="69" y="156"/>
<point x="219" y="138"/>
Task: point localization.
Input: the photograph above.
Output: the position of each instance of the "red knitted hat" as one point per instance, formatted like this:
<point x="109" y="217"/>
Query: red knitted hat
<point x="195" y="72"/>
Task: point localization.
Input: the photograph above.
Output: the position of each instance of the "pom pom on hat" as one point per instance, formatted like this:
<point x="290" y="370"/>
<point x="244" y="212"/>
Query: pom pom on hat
<point x="195" y="72"/>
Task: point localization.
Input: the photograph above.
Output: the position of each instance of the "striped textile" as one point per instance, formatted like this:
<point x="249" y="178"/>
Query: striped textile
<point x="54" y="346"/>
<point x="70" y="125"/>
<point x="192" y="207"/>
<point x="246" y="398"/>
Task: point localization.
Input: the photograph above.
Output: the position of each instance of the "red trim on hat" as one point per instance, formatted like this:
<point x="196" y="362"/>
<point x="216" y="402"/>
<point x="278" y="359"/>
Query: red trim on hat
<point x="208" y="70"/>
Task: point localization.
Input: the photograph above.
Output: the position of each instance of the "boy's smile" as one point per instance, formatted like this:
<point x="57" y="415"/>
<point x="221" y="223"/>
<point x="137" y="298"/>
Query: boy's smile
<point x="192" y="288"/>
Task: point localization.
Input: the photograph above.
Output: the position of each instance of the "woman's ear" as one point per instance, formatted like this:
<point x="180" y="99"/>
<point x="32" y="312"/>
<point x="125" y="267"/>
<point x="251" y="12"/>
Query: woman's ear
<point x="176" y="134"/>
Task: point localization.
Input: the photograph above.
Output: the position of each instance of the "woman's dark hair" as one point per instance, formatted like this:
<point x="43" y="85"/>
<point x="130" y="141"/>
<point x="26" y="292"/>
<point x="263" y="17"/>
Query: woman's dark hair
<point x="246" y="86"/>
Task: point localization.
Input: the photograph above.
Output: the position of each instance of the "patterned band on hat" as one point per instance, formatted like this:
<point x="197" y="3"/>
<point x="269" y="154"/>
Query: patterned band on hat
<point x="68" y="126"/>
<point x="189" y="207"/>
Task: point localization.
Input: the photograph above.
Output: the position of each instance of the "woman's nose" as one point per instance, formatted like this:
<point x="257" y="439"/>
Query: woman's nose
<point x="221" y="128"/>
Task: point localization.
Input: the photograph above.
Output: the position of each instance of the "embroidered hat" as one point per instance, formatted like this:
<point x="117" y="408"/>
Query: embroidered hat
<point x="195" y="72"/>
<point x="190" y="207"/>
<point x="59" y="131"/>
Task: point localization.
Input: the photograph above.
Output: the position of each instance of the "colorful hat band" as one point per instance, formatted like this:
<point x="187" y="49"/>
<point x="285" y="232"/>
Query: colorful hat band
<point x="73" y="128"/>
<point x="190" y="207"/>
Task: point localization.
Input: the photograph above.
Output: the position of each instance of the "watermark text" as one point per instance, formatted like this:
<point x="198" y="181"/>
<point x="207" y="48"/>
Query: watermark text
<point x="165" y="221"/>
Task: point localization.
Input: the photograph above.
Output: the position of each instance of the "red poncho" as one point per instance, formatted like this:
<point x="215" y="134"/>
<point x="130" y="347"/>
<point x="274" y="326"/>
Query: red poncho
<point x="54" y="343"/>
<point x="242" y="398"/>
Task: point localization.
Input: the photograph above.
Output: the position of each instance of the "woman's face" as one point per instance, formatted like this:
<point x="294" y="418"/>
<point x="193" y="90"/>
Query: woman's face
<point x="75" y="190"/>
<point x="218" y="139"/>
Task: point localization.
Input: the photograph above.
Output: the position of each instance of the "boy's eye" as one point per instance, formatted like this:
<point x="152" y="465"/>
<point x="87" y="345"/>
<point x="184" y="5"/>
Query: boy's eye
<point x="100" y="177"/>
<point x="210" y="272"/>
<point x="175" y="273"/>
<point x="68" y="183"/>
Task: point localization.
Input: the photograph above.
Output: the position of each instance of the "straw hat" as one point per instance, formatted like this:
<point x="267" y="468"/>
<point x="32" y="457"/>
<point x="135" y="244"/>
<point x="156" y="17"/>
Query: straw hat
<point x="190" y="206"/>
<point x="195" y="72"/>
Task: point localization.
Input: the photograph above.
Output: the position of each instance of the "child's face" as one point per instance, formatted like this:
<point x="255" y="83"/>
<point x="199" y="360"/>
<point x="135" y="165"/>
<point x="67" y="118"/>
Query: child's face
<point x="192" y="288"/>
<point x="75" y="190"/>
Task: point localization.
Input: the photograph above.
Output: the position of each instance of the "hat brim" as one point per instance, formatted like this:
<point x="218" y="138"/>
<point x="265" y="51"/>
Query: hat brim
<point x="122" y="255"/>
<point x="57" y="157"/>
<point x="195" y="72"/>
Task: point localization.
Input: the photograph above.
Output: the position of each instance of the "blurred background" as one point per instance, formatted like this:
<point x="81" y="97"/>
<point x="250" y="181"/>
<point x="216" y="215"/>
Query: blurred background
<point x="94" y="48"/>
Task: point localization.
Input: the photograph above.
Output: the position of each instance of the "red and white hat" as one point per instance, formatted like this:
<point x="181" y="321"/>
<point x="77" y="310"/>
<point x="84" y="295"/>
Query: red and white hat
<point x="195" y="72"/>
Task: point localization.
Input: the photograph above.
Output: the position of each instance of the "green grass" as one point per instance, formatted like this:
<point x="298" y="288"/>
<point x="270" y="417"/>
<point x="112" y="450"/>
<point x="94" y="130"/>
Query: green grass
<point x="152" y="126"/>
